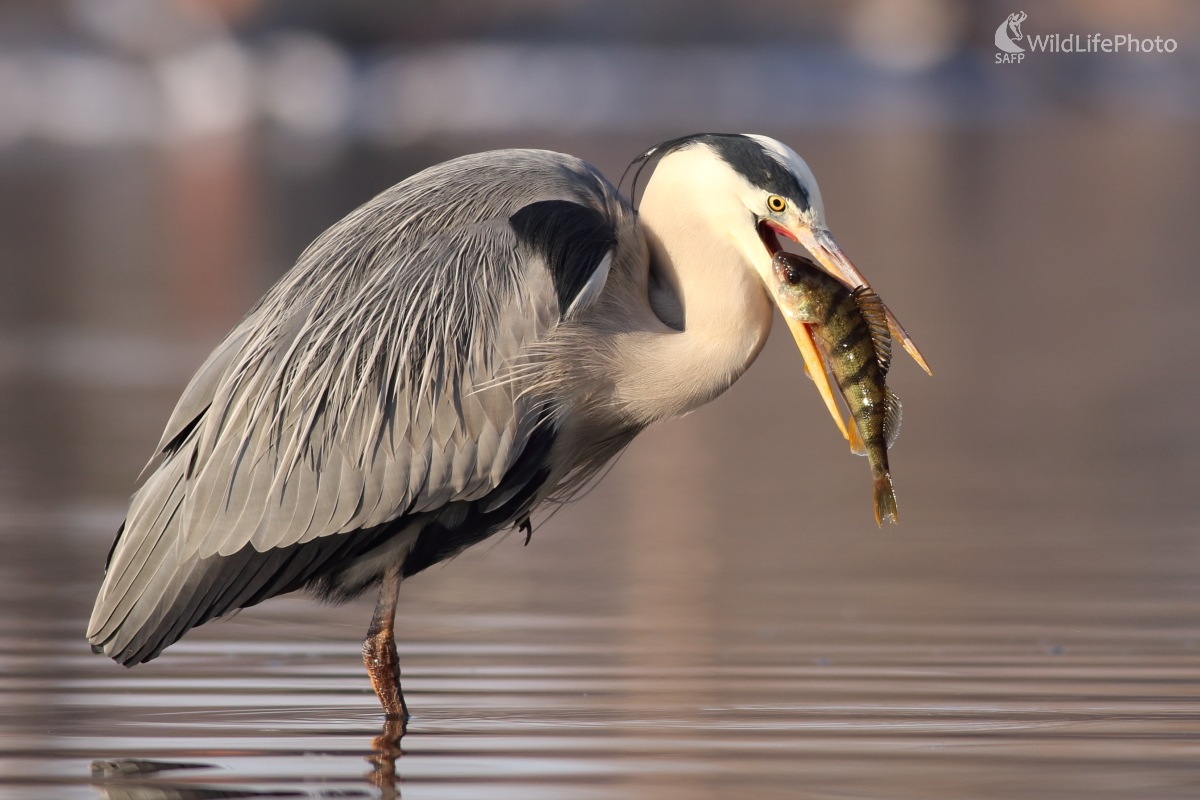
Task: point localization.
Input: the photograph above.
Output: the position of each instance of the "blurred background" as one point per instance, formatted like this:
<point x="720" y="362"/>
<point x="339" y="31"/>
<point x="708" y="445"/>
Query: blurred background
<point x="162" y="162"/>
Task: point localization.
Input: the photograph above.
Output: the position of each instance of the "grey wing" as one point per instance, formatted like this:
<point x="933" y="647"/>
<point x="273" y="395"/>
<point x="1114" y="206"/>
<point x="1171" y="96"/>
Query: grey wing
<point x="378" y="383"/>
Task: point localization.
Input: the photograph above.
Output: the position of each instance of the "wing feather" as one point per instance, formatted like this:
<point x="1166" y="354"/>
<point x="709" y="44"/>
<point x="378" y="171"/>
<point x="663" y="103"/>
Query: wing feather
<point x="384" y="376"/>
<point x="200" y="390"/>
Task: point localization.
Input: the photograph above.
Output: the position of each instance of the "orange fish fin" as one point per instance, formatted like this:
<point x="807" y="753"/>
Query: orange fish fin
<point x="891" y="417"/>
<point x="857" y="446"/>
<point x="875" y="315"/>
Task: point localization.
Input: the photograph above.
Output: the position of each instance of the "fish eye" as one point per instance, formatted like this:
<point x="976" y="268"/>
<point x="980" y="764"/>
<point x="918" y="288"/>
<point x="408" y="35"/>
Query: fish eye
<point x="792" y="275"/>
<point x="776" y="203"/>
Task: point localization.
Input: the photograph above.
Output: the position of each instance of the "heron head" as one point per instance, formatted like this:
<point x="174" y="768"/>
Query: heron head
<point x="758" y="193"/>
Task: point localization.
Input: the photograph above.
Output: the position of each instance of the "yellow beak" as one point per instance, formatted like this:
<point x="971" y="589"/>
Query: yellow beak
<point x="825" y="250"/>
<point x="814" y="364"/>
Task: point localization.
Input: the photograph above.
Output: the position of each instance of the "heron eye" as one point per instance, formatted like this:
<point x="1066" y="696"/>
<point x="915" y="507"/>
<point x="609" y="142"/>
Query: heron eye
<point x="776" y="203"/>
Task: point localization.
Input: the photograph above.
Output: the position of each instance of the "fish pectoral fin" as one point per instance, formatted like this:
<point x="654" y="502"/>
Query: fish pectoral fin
<point x="857" y="445"/>
<point x="891" y="417"/>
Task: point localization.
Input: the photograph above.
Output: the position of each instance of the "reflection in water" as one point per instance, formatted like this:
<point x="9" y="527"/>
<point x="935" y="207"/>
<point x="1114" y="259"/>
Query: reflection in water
<point x="387" y="749"/>
<point x="720" y="617"/>
<point x="132" y="779"/>
<point x="142" y="779"/>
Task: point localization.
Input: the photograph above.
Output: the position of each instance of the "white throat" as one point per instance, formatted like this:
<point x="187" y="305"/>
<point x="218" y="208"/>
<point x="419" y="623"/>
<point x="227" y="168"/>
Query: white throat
<point x="700" y="235"/>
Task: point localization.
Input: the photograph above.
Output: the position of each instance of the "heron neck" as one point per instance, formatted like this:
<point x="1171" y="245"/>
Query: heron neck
<point x="726" y="317"/>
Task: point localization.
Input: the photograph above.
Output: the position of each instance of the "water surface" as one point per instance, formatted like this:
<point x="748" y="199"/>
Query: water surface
<point x="720" y="617"/>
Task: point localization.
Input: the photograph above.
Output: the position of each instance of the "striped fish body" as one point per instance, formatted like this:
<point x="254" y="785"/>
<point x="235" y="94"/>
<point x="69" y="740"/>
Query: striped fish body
<point x="849" y="328"/>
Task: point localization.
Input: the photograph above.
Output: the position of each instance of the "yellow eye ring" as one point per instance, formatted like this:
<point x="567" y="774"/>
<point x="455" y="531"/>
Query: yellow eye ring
<point x="776" y="203"/>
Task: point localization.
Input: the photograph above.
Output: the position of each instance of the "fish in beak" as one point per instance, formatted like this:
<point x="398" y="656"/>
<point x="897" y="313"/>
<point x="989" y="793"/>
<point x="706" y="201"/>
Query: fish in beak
<point x="825" y="251"/>
<point x="822" y="247"/>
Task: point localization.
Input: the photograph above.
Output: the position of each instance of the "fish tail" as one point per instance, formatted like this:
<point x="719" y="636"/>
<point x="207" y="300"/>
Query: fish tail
<point x="885" y="499"/>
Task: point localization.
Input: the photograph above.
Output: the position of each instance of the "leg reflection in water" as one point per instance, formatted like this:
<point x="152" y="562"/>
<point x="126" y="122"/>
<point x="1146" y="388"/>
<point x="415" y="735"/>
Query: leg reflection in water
<point x="383" y="761"/>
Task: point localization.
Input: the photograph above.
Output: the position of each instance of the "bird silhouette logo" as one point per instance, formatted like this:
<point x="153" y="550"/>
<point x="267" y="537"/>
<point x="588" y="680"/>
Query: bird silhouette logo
<point x="1006" y="42"/>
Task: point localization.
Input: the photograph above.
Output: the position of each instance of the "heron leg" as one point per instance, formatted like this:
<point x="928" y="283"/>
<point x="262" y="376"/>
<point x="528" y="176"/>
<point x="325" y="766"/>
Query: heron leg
<point x="379" y="649"/>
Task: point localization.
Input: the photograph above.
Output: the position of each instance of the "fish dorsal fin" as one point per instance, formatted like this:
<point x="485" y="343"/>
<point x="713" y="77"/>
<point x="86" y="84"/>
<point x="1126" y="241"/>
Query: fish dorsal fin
<point x="891" y="417"/>
<point x="875" y="315"/>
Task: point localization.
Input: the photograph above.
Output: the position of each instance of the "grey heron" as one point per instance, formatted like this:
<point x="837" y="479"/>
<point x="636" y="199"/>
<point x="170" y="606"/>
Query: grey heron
<point x="469" y="346"/>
